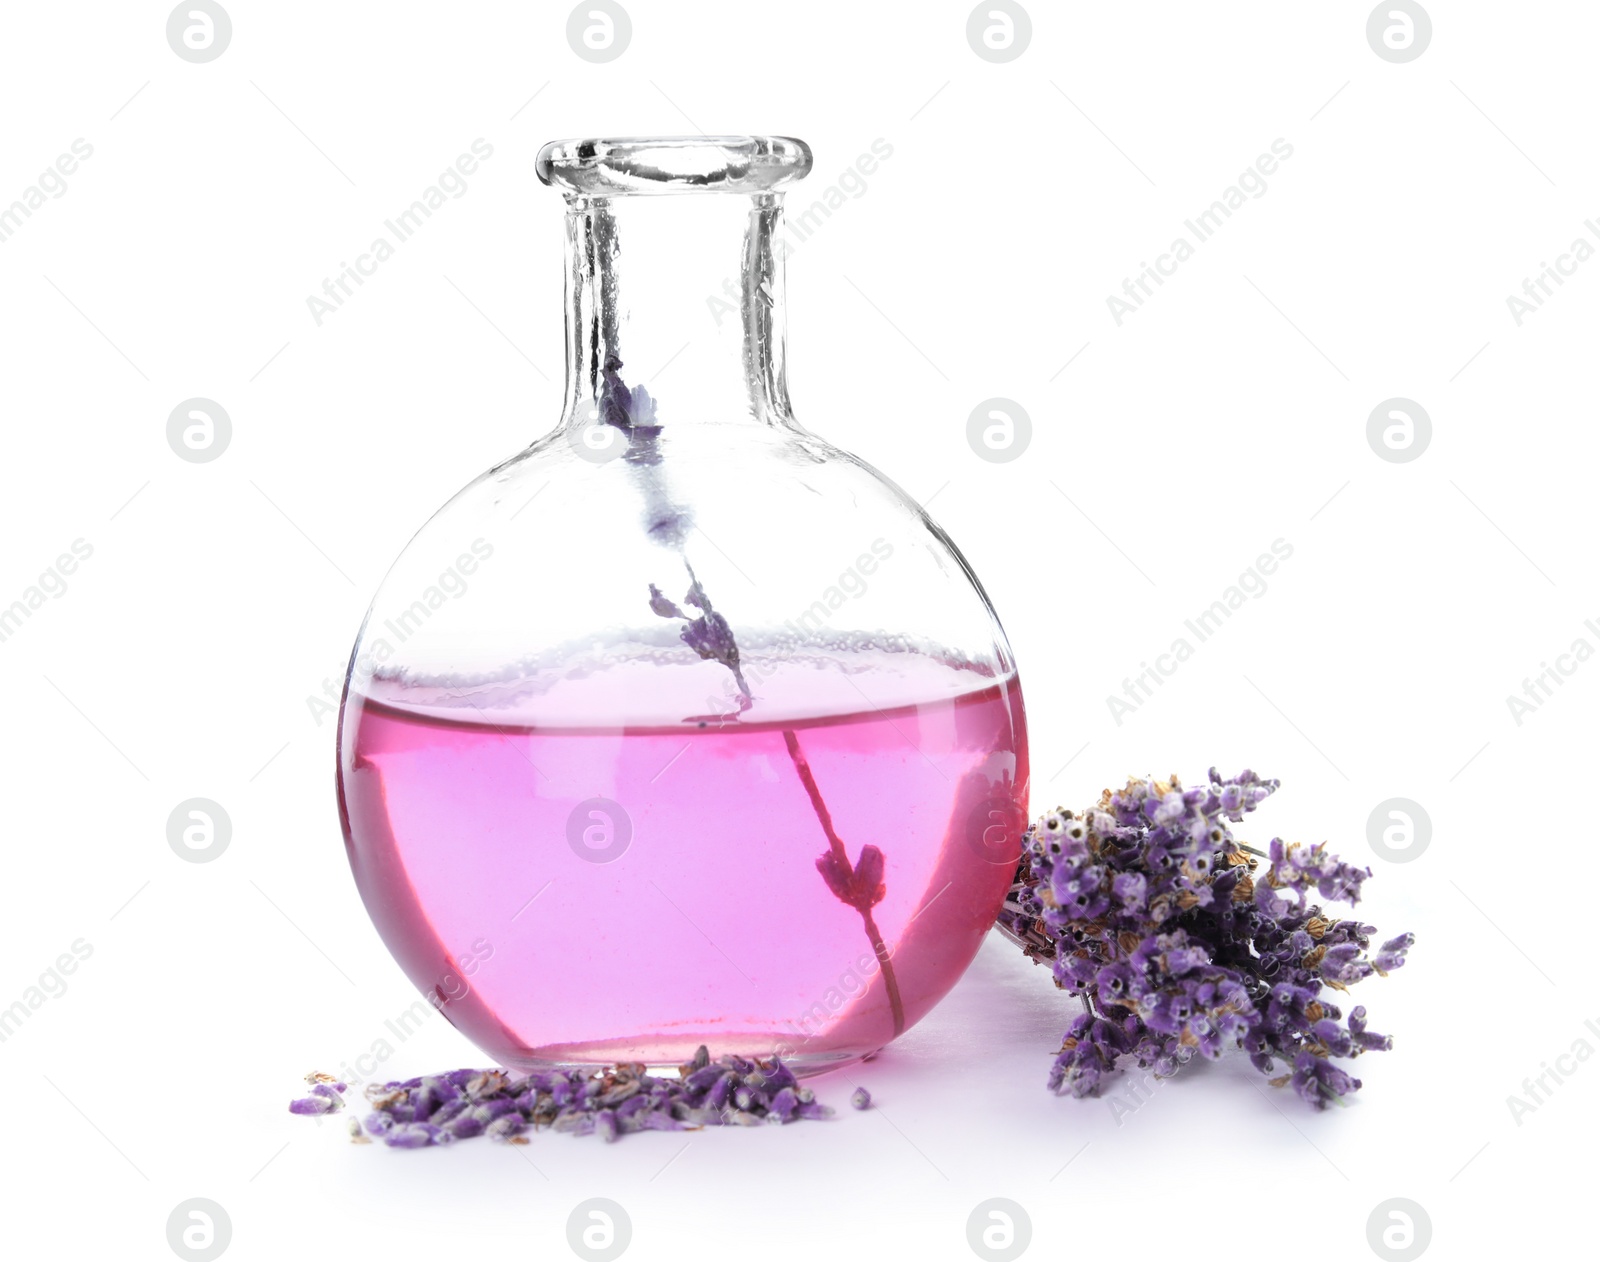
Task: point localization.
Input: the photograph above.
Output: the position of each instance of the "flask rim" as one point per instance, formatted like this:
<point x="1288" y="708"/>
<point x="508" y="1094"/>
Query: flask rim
<point x="617" y="166"/>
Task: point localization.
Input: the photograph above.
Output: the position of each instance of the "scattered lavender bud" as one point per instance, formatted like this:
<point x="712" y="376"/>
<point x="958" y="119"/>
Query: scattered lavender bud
<point x="506" y="1127"/>
<point x="465" y="1127"/>
<point x="776" y="1075"/>
<point x="703" y="1077"/>
<point x="621" y="1092"/>
<point x="356" y="1136"/>
<point x="489" y="1110"/>
<point x="621" y="1100"/>
<point x="718" y="1095"/>
<point x="487" y="1083"/>
<point x="409" y="1136"/>
<point x="379" y="1123"/>
<point x="575" y="1123"/>
<point x="783" y="1105"/>
<point x="860" y="1098"/>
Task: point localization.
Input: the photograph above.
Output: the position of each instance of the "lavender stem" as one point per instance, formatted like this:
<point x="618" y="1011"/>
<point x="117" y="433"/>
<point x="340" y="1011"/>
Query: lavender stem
<point x="879" y="947"/>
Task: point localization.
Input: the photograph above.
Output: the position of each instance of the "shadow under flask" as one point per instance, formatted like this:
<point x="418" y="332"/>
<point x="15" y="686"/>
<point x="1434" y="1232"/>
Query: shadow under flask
<point x="682" y="726"/>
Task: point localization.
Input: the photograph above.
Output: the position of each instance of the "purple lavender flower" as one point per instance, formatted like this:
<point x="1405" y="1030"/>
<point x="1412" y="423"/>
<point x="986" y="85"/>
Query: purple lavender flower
<point x="1317" y="1080"/>
<point x="707" y="633"/>
<point x="379" y="1123"/>
<point x="465" y="1126"/>
<point x="861" y="887"/>
<point x="1392" y="954"/>
<point x="621" y="1100"/>
<point x="411" y="1135"/>
<point x="506" y="1128"/>
<point x="1151" y="913"/>
<point x="710" y="636"/>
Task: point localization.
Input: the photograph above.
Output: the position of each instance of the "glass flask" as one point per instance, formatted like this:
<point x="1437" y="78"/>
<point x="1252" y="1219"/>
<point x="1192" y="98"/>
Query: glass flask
<point x="682" y="726"/>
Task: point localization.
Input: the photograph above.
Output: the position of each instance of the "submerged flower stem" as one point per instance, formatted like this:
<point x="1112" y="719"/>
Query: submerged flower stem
<point x="633" y="411"/>
<point x="836" y="845"/>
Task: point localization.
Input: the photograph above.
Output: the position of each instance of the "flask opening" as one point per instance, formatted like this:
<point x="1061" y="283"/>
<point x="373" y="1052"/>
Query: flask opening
<point x="672" y="164"/>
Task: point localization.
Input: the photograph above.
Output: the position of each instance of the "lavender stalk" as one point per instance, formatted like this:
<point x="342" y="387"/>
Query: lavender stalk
<point x="707" y="632"/>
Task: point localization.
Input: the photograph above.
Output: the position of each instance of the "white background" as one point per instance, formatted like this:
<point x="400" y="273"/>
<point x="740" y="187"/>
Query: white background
<point x="1230" y="411"/>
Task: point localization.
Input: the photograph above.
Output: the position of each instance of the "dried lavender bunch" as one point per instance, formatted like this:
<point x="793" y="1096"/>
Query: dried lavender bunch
<point x="1152" y="914"/>
<point x="620" y="1100"/>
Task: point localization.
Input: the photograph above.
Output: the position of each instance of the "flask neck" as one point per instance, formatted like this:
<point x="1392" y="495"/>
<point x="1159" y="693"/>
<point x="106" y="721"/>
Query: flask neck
<point x="680" y="297"/>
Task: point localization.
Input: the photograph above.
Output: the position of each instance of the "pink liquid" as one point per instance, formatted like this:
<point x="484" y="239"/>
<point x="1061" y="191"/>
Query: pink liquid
<point x="712" y="925"/>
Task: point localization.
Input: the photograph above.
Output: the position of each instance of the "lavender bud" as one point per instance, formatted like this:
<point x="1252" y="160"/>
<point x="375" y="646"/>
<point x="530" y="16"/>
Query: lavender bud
<point x="718" y="1095"/>
<point x="503" y="1128"/>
